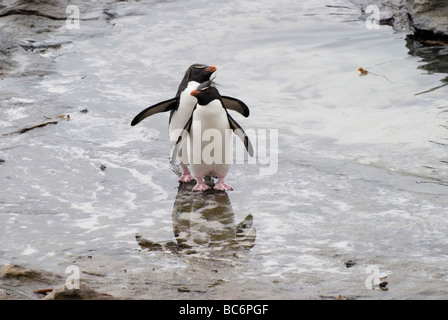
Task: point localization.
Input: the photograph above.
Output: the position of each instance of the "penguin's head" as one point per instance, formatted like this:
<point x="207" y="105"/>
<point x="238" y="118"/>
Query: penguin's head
<point x="199" y="72"/>
<point x="206" y="92"/>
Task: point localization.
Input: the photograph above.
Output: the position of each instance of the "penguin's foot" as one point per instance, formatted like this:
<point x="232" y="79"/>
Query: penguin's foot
<point x="221" y="185"/>
<point x="200" y="186"/>
<point x="186" y="178"/>
<point x="186" y="174"/>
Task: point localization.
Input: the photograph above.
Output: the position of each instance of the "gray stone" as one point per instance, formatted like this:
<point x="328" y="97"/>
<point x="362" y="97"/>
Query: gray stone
<point x="82" y="293"/>
<point x="429" y="16"/>
<point x="427" y="19"/>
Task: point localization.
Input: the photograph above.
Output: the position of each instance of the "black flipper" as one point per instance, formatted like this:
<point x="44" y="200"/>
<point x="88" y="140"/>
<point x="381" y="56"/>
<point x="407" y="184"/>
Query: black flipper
<point x="241" y="134"/>
<point x="157" y="108"/>
<point x="235" y="105"/>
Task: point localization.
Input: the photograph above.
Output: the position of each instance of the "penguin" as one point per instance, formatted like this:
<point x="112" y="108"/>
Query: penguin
<point x="181" y="108"/>
<point x="210" y="116"/>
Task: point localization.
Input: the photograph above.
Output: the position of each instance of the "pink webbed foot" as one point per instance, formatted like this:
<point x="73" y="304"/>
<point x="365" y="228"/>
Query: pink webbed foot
<point x="186" y="178"/>
<point x="200" y="185"/>
<point x="221" y="185"/>
<point x="186" y="175"/>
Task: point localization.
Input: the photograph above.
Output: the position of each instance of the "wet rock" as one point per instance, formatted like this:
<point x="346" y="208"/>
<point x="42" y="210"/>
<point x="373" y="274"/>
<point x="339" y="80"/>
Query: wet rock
<point x="4" y="295"/>
<point x="24" y="29"/>
<point x="19" y="272"/>
<point x="82" y="293"/>
<point x="429" y="18"/>
<point x="21" y="282"/>
<point x="423" y="19"/>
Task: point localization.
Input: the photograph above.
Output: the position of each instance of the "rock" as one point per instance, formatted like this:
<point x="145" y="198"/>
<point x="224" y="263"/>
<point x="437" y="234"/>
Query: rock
<point x="19" y="272"/>
<point x="425" y="19"/>
<point x="83" y="293"/>
<point x="4" y="295"/>
<point x="26" y="24"/>
<point x="15" y="276"/>
<point x="21" y="282"/>
<point x="429" y="17"/>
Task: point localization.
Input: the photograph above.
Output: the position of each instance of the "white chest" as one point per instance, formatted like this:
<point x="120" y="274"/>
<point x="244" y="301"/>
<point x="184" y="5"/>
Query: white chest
<point x="211" y="116"/>
<point x="186" y="106"/>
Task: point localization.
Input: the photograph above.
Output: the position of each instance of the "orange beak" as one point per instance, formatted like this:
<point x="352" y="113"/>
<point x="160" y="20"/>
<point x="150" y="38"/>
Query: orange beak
<point x="194" y="93"/>
<point x="210" y="69"/>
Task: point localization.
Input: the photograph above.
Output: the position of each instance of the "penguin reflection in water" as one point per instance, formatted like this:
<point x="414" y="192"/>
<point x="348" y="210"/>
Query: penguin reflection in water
<point x="204" y="224"/>
<point x="210" y="120"/>
<point x="181" y="108"/>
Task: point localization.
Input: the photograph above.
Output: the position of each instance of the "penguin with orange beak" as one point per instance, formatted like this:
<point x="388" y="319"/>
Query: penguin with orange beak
<point x="181" y="108"/>
<point x="210" y="121"/>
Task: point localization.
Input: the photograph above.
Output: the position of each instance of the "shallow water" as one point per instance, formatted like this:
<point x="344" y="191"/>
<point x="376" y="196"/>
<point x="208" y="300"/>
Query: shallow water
<point x="360" y="174"/>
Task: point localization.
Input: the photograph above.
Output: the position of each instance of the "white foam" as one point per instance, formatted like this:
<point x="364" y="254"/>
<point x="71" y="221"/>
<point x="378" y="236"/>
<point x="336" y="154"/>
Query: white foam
<point x="29" y="251"/>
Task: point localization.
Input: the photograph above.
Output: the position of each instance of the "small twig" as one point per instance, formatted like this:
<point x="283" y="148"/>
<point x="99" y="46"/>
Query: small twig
<point x="430" y="90"/>
<point x="30" y="128"/>
<point x="43" y="291"/>
<point x="439" y="143"/>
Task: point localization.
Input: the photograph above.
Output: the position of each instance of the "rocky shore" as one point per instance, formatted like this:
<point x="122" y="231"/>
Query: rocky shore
<point x="20" y="282"/>
<point x="26" y="26"/>
<point x="150" y="269"/>
<point x="422" y="19"/>
<point x="25" y="20"/>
